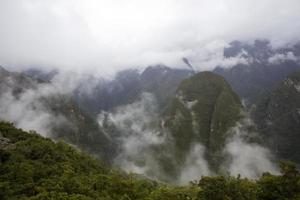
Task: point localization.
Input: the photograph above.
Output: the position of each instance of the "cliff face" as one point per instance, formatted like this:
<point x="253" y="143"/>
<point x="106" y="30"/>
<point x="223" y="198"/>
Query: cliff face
<point x="278" y="118"/>
<point x="204" y="108"/>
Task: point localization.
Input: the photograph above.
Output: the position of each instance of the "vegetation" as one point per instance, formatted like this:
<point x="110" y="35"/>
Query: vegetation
<point x="36" y="168"/>
<point x="278" y="118"/>
<point x="204" y="109"/>
<point x="72" y="124"/>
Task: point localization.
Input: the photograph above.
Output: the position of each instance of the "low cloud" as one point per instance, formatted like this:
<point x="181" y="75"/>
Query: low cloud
<point x="195" y="165"/>
<point x="27" y="110"/>
<point x="280" y="58"/>
<point x="138" y="132"/>
<point x="212" y="55"/>
<point x="136" y="126"/>
<point x="27" y="102"/>
<point x="249" y="159"/>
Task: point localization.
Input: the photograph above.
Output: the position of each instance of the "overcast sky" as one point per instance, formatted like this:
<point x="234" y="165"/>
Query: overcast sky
<point x="104" y="36"/>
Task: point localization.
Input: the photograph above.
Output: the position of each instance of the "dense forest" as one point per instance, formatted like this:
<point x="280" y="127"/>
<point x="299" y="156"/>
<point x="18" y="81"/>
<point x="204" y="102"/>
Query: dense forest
<point x="36" y="168"/>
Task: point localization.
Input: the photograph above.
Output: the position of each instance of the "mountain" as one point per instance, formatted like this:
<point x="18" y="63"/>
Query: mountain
<point x="265" y="68"/>
<point x="278" y="118"/>
<point x="95" y="93"/>
<point x="267" y="84"/>
<point x="163" y="81"/>
<point x="35" y="104"/>
<point x="15" y="81"/>
<point x="64" y="115"/>
<point x="201" y="131"/>
<point x="204" y="109"/>
<point x="127" y="87"/>
<point x="37" y="73"/>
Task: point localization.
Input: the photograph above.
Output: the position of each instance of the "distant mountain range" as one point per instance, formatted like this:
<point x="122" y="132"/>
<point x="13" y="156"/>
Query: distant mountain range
<point x="265" y="68"/>
<point x="161" y="121"/>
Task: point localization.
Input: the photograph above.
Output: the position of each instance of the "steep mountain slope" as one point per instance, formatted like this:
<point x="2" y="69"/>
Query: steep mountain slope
<point x="34" y="104"/>
<point x="128" y="86"/>
<point x="265" y="68"/>
<point x="202" y="112"/>
<point x="96" y="93"/>
<point x="37" y="73"/>
<point x="163" y="81"/>
<point x="278" y="117"/>
<point x="199" y="133"/>
<point x="15" y="81"/>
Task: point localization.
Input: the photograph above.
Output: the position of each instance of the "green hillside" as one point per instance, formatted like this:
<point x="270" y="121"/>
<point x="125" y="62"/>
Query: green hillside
<point x="36" y="168"/>
<point x="68" y="123"/>
<point x="203" y="110"/>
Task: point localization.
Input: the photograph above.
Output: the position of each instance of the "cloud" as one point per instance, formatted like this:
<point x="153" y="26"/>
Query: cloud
<point x="246" y="158"/>
<point x="27" y="102"/>
<point x="138" y="135"/>
<point x="212" y="55"/>
<point x="195" y="165"/>
<point x="109" y="35"/>
<point x="136" y="125"/>
<point x="249" y="159"/>
<point x="279" y="58"/>
<point x="27" y="110"/>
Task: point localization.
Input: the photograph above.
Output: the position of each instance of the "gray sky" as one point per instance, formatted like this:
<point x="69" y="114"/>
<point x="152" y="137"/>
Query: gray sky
<point x="104" y="36"/>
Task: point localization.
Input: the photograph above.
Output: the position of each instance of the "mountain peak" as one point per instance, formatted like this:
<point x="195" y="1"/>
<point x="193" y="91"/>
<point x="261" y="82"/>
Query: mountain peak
<point x="204" y="108"/>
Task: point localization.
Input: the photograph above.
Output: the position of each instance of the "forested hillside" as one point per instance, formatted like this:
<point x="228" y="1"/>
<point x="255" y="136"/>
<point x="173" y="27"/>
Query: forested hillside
<point x="35" y="168"/>
<point x="278" y="118"/>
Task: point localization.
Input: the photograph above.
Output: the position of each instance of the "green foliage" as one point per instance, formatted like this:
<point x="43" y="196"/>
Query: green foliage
<point x="35" y="168"/>
<point x="40" y="169"/>
<point x="282" y="187"/>
<point x="204" y="109"/>
<point x="175" y="193"/>
<point x="228" y="188"/>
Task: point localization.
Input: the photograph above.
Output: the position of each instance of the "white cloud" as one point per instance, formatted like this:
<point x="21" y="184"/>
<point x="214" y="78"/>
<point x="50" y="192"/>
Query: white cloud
<point x="195" y="165"/>
<point x="27" y="110"/>
<point x="211" y="55"/>
<point x="279" y="58"/>
<point x="107" y="35"/>
<point x="247" y="159"/>
<point x="137" y="125"/>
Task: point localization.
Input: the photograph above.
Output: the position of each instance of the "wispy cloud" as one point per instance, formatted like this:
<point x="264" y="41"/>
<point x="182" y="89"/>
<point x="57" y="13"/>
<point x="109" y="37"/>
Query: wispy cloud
<point x="282" y="57"/>
<point x="137" y="133"/>
<point x="249" y="159"/>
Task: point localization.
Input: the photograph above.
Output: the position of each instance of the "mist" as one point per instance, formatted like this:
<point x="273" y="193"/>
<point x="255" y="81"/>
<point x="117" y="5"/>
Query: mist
<point x="279" y="58"/>
<point x="138" y="134"/>
<point x="135" y="128"/>
<point x="248" y="158"/>
<point x="195" y="166"/>
<point x="27" y="110"/>
<point x="24" y="101"/>
<point x="102" y="37"/>
<point x="135" y="124"/>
